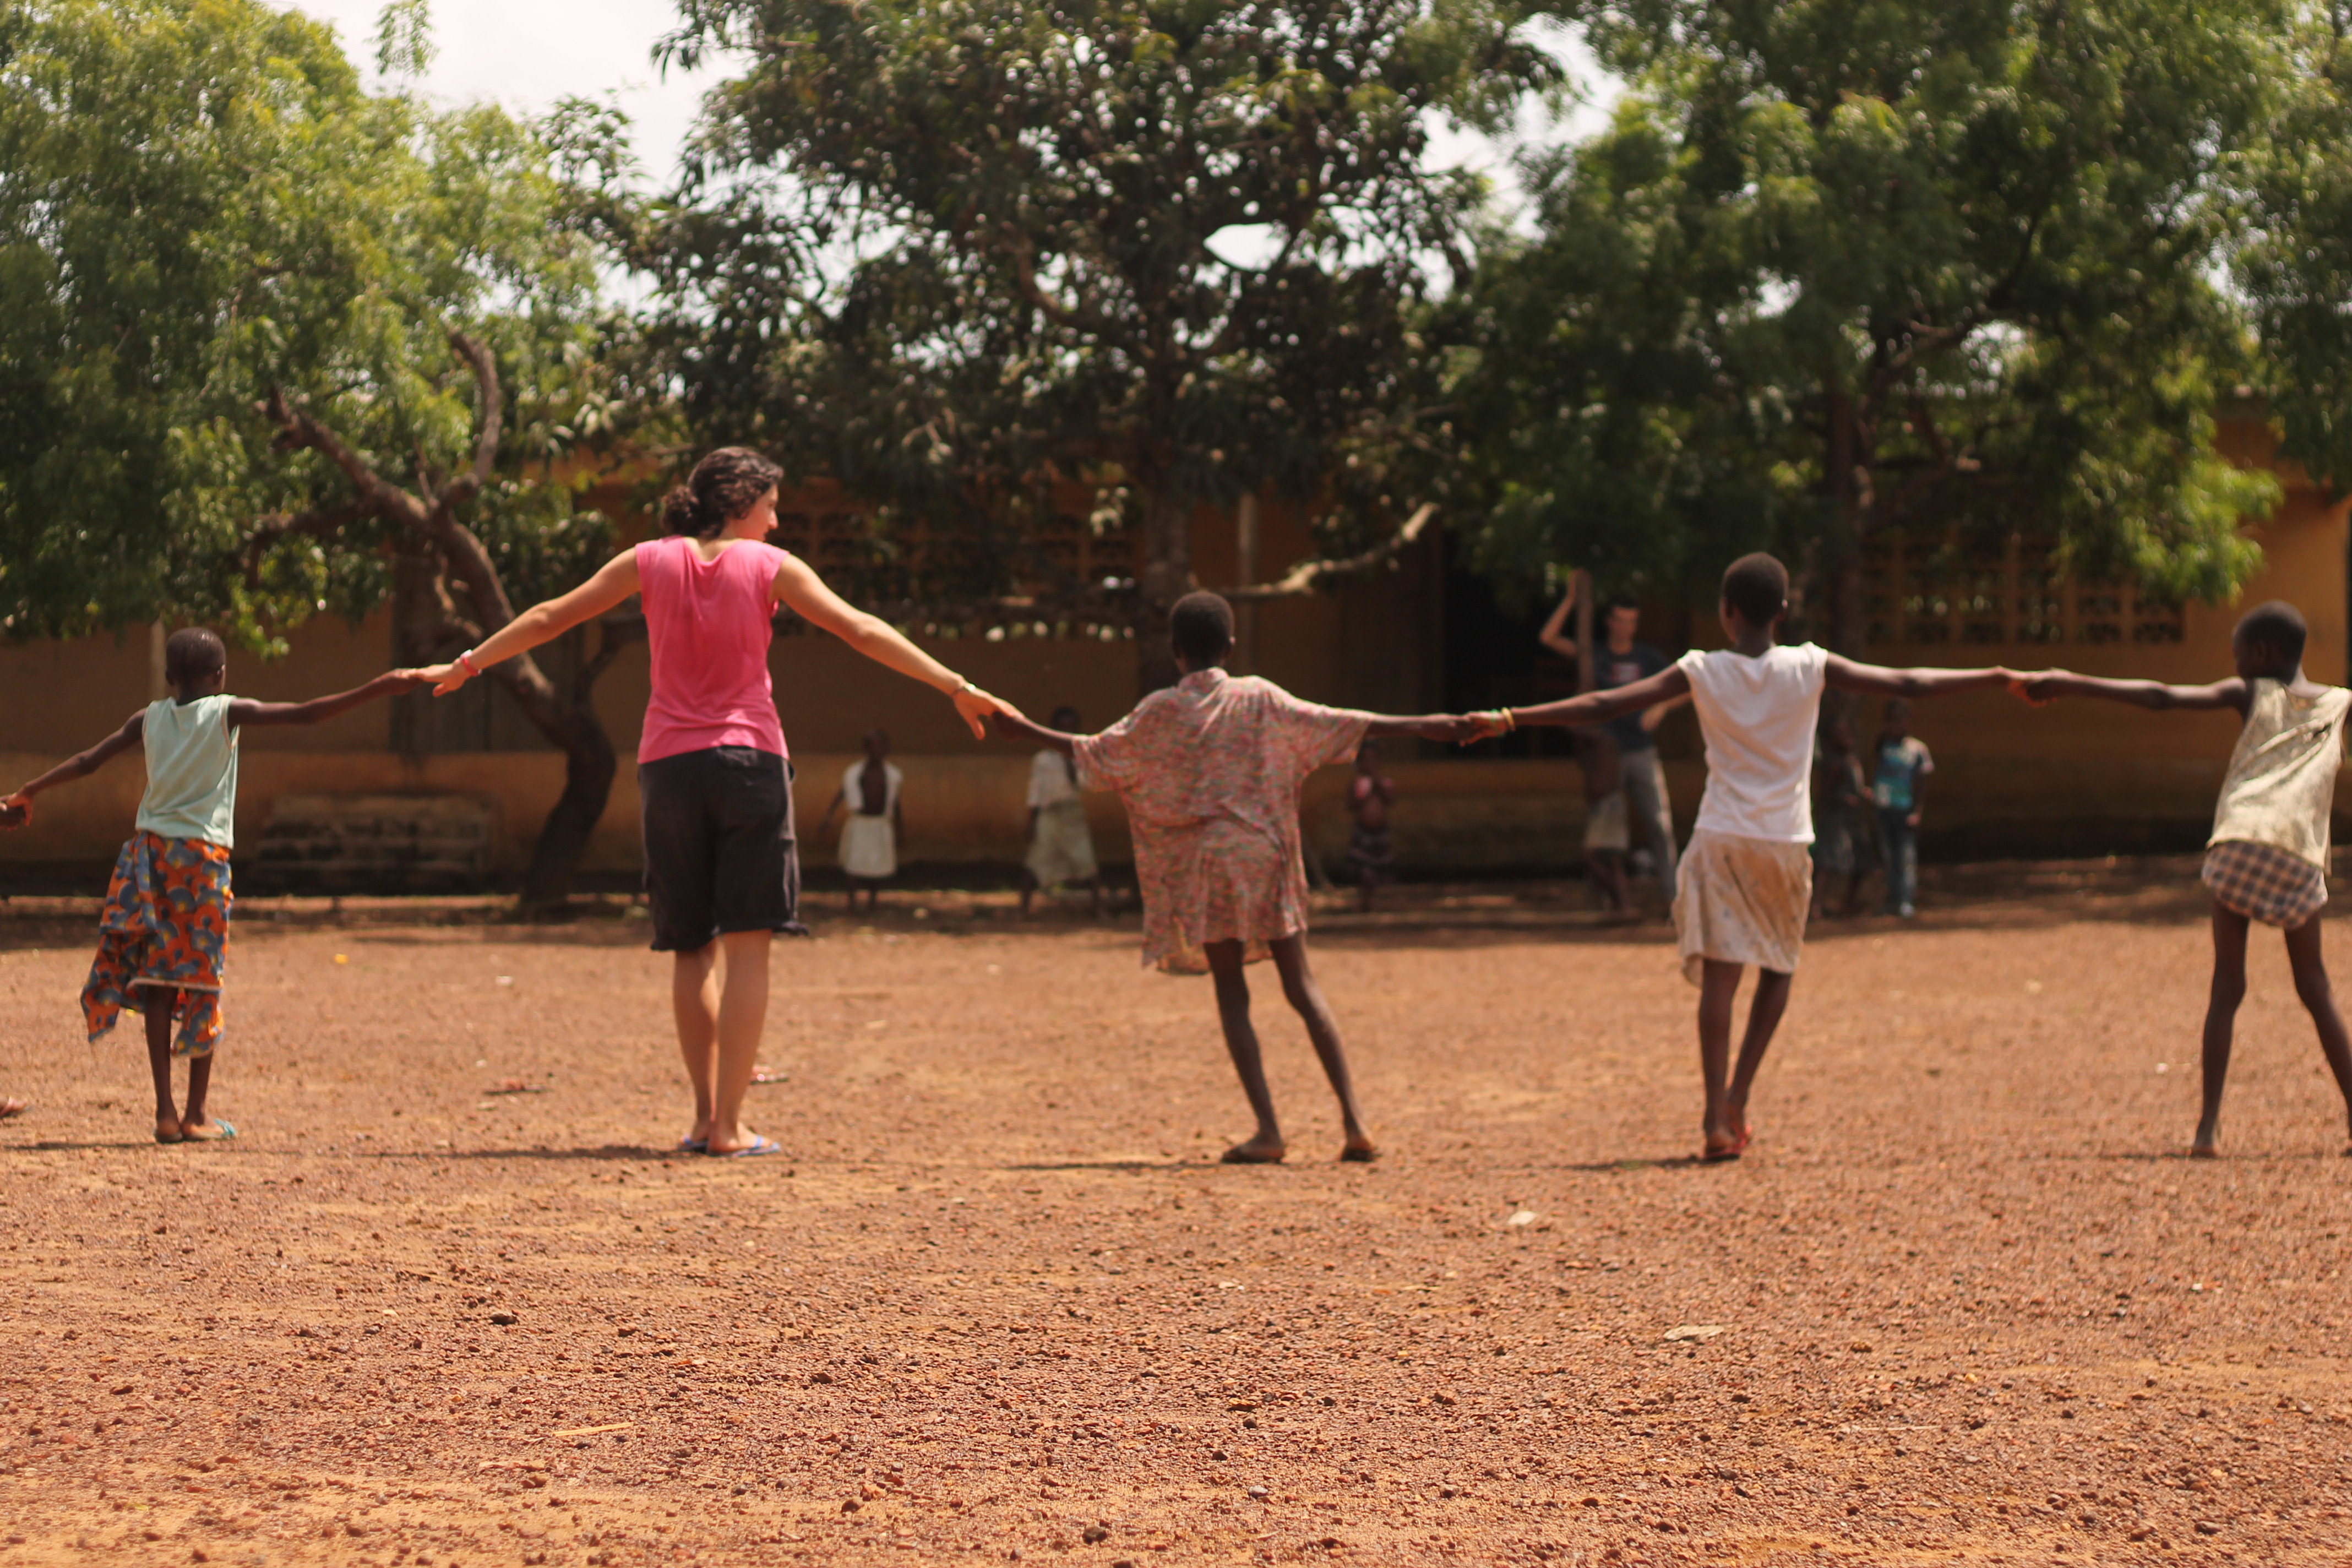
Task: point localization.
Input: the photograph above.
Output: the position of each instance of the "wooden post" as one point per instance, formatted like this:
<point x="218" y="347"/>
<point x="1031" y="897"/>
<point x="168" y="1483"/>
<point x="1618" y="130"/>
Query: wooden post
<point x="1246" y="571"/>
<point x="1584" y="664"/>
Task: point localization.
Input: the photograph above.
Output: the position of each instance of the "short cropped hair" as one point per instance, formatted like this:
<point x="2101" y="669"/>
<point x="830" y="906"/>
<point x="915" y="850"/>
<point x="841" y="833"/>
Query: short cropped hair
<point x="1757" y="587"/>
<point x="2277" y="624"/>
<point x="1066" y="718"/>
<point x="193" y="651"/>
<point x="1201" y="628"/>
<point x="1621" y="600"/>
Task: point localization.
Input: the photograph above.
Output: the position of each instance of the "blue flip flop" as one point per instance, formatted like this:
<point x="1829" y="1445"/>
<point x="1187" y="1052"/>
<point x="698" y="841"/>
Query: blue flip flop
<point x="751" y="1151"/>
<point x="227" y="1131"/>
<point x="694" y="1145"/>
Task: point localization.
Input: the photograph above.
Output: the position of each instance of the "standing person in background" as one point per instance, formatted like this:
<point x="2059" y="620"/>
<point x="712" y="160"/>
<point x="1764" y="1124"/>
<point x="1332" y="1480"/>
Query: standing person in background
<point x="1621" y="661"/>
<point x="1903" y="766"/>
<point x="1605" y="834"/>
<point x="722" y="866"/>
<point x="870" y="837"/>
<point x="1061" y="844"/>
<point x="1371" y="858"/>
<point x="1840" y="819"/>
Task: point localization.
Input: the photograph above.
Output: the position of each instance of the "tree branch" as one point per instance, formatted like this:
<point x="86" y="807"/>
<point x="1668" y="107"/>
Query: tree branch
<point x="297" y="430"/>
<point x="490" y="417"/>
<point x="279" y="525"/>
<point x="1308" y="575"/>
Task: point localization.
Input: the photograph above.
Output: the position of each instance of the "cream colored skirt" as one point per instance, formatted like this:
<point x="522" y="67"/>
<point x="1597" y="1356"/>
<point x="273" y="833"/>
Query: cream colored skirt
<point x="869" y="848"/>
<point x="1065" y="848"/>
<point x="1742" y="900"/>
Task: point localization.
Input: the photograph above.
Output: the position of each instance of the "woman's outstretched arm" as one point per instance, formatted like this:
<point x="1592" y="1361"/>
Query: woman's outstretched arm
<point x="801" y="589"/>
<point x="544" y="622"/>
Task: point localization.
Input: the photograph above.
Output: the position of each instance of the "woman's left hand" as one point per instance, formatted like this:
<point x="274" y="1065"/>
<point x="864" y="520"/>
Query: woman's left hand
<point x="975" y="705"/>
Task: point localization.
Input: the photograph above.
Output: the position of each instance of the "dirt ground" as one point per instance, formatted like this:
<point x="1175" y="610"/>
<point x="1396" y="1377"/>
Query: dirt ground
<point x="1963" y="1301"/>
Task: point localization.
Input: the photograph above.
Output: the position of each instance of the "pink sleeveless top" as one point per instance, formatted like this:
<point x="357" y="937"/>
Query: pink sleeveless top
<point x="709" y="626"/>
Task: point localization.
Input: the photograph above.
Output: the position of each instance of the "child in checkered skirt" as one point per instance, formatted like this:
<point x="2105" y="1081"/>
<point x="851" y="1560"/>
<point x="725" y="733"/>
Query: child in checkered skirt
<point x="2267" y="859"/>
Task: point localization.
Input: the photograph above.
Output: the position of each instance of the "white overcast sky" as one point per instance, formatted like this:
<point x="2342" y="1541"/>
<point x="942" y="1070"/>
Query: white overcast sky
<point x="526" y="54"/>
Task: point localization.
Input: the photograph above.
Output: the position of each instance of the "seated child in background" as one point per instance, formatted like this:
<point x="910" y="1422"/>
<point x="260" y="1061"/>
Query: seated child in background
<point x="1744" y="884"/>
<point x="1841" y="834"/>
<point x="164" y="936"/>
<point x="1371" y="859"/>
<point x="1607" y="836"/>
<point x="869" y="834"/>
<point x="1061" y="844"/>
<point x="1899" y="791"/>
<point x="1209" y="770"/>
<point x="2267" y="857"/>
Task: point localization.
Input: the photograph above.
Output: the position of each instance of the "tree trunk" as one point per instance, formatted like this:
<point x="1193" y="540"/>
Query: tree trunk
<point x="1165" y="577"/>
<point x="588" y="768"/>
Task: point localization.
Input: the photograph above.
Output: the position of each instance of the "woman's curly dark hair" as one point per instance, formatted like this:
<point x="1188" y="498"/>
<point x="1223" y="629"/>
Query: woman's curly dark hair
<point x="722" y="488"/>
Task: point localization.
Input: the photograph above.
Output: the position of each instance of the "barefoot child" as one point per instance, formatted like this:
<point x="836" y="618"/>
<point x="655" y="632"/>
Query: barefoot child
<point x="164" y="931"/>
<point x="1371" y="858"/>
<point x="1209" y="770"/>
<point x="869" y="836"/>
<point x="1899" y="790"/>
<point x="1744" y="882"/>
<point x="1061" y="844"/>
<point x="2267" y="859"/>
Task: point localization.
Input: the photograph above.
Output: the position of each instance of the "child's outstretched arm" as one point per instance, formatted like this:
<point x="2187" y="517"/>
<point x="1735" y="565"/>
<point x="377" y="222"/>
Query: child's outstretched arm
<point x="17" y="809"/>
<point x="244" y="711"/>
<point x="1010" y="720"/>
<point x="1591" y="708"/>
<point x="1427" y="726"/>
<point x="1877" y="680"/>
<point x="2047" y="685"/>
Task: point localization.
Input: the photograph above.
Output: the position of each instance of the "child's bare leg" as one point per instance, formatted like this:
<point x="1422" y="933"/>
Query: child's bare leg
<point x="2319" y="999"/>
<point x="1264" y="1146"/>
<point x="2220" y="1021"/>
<point x="195" y="1125"/>
<point x="1764" y="1010"/>
<point x="694" y="1001"/>
<point x="1028" y="890"/>
<point x="742" y="1016"/>
<point x="159" y="1062"/>
<point x="1718" y="989"/>
<point x="1306" y="997"/>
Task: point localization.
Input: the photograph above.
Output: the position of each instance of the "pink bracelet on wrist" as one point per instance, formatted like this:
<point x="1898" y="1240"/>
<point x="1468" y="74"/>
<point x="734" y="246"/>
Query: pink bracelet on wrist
<point x="465" y="661"/>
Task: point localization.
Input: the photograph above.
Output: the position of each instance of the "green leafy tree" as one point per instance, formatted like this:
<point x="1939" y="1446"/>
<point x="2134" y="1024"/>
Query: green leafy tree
<point x="2295" y="268"/>
<point x="273" y="346"/>
<point x="1840" y="268"/>
<point x="971" y="256"/>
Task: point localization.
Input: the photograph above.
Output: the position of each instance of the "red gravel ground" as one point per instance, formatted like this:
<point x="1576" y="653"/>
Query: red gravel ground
<point x="1965" y="1301"/>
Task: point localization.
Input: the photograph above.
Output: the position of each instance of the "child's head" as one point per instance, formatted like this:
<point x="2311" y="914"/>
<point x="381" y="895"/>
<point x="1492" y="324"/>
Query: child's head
<point x="877" y="745"/>
<point x="1200" y="630"/>
<point x="1898" y="717"/>
<point x="195" y="662"/>
<point x="1754" y="595"/>
<point x="2269" y="641"/>
<point x="1066" y="720"/>
<point x="1368" y="755"/>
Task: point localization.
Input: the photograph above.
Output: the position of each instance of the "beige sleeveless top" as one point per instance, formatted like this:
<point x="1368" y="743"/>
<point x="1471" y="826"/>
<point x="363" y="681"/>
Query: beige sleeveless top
<point x="2282" y="780"/>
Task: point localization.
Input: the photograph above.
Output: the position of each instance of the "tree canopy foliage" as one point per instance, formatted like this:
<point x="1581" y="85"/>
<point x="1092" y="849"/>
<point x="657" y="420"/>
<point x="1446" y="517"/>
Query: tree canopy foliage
<point x="272" y="345"/>
<point x="1838" y="267"/>
<point x="976" y="257"/>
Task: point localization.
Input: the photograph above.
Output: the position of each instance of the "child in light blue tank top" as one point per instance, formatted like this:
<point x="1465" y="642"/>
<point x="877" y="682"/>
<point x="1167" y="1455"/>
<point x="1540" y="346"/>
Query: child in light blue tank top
<point x="163" y="933"/>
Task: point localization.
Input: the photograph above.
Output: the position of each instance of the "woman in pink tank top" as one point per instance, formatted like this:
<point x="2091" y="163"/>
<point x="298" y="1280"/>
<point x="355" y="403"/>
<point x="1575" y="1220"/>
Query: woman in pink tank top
<point x="721" y="870"/>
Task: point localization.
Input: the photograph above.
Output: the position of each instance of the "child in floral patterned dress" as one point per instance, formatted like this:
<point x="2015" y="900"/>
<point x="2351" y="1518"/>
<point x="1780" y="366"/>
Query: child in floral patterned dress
<point x="165" y="930"/>
<point x="1209" y="770"/>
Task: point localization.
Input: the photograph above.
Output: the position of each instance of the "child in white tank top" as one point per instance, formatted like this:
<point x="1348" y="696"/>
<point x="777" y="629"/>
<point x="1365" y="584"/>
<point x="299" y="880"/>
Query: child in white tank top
<point x="1744" y="884"/>
<point x="2267" y="857"/>
<point x="163" y="935"/>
